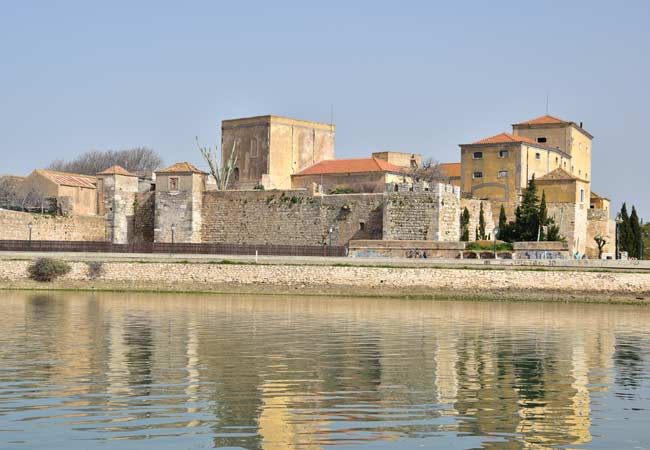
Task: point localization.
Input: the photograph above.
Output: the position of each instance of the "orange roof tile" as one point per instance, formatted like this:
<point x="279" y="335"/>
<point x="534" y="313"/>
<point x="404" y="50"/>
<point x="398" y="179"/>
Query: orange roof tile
<point x="451" y="170"/>
<point x="181" y="167"/>
<point x="68" y="179"/>
<point x="543" y="120"/>
<point x="117" y="170"/>
<point x="505" y="138"/>
<point x="359" y="165"/>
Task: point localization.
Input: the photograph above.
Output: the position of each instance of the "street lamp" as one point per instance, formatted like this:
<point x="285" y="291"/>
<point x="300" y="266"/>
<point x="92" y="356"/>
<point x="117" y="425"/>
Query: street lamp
<point x="329" y="235"/>
<point x="172" y="247"/>
<point x="496" y="233"/>
<point x="30" y="225"/>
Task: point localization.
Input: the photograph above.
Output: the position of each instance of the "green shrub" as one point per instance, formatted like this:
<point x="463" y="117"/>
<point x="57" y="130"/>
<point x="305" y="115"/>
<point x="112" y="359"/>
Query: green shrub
<point x="47" y="269"/>
<point x="342" y="189"/>
<point x="487" y="245"/>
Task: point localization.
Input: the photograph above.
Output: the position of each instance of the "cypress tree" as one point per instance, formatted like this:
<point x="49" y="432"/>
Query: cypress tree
<point x="635" y="234"/>
<point x="625" y="232"/>
<point x="543" y="217"/>
<point x="464" y="225"/>
<point x="527" y="224"/>
<point x="481" y="224"/>
<point x="504" y="234"/>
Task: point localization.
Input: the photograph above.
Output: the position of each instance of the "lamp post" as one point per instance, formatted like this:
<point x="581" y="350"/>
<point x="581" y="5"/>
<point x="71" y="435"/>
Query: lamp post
<point x="617" y="255"/>
<point x="329" y="235"/>
<point x="29" y="226"/>
<point x="496" y="232"/>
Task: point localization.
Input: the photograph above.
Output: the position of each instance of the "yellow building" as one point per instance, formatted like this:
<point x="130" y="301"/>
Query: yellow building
<point x="271" y="148"/>
<point x="75" y="194"/>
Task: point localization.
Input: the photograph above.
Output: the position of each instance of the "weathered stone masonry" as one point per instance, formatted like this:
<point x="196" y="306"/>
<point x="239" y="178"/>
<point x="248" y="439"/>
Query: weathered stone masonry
<point x="13" y="225"/>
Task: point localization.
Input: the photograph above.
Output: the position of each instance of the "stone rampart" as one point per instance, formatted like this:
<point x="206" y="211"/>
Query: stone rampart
<point x="474" y="208"/>
<point x="291" y="217"/>
<point x="14" y="226"/>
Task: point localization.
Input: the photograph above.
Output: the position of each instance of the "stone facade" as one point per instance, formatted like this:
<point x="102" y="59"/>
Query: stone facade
<point x="599" y="224"/>
<point x="144" y="217"/>
<point x="474" y="208"/>
<point x="417" y="212"/>
<point x="270" y="149"/>
<point x="14" y="226"/>
<point x="178" y="206"/>
<point x="290" y="217"/>
<point x="118" y="194"/>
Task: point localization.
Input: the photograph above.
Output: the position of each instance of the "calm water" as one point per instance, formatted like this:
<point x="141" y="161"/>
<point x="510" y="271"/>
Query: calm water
<point x="86" y="371"/>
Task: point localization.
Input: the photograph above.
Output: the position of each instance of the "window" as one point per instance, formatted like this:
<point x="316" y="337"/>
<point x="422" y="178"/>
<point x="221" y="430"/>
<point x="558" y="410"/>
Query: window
<point x="538" y="156"/>
<point x="503" y="153"/>
<point x="541" y="140"/>
<point x="478" y="155"/>
<point x="362" y="226"/>
<point x="573" y="169"/>
<point x="565" y="164"/>
<point x="502" y="174"/>
<point x="582" y="195"/>
<point x="254" y="148"/>
<point x="173" y="184"/>
<point x="557" y="160"/>
<point x="477" y="175"/>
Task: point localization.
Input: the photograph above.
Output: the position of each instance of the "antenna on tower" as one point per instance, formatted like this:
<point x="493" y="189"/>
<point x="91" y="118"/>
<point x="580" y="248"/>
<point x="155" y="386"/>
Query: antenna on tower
<point x="332" y="114"/>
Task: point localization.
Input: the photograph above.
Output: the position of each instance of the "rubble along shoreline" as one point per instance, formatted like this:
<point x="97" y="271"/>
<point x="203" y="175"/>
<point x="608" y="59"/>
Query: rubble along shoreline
<point x="349" y="281"/>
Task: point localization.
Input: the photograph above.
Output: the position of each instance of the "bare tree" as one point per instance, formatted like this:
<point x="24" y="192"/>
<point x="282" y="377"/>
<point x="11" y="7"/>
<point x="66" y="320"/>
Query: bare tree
<point x="221" y="173"/>
<point x="600" y="242"/>
<point x="9" y="192"/>
<point x="429" y="171"/>
<point x="134" y="160"/>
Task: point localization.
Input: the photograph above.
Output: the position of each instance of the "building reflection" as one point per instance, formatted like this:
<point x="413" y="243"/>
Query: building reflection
<point x="294" y="373"/>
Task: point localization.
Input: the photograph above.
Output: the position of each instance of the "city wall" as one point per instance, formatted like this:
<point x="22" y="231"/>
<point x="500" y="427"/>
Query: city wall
<point x="14" y="226"/>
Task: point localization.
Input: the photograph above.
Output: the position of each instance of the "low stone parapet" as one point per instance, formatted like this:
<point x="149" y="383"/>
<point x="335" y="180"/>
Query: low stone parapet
<point x="405" y="249"/>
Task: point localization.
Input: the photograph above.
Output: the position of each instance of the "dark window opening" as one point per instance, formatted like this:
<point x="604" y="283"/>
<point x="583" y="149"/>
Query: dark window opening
<point x="478" y="155"/>
<point x="541" y="140"/>
<point x="362" y="226"/>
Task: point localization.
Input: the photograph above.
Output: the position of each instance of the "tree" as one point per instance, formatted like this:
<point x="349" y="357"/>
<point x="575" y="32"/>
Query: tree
<point x="8" y="192"/>
<point x="635" y="235"/>
<point x="504" y="227"/>
<point x="429" y="171"/>
<point x="481" y="225"/>
<point x="527" y="216"/>
<point x="625" y="237"/>
<point x="464" y="225"/>
<point x="543" y="217"/>
<point x="600" y="242"/>
<point x="221" y="173"/>
<point x="136" y="159"/>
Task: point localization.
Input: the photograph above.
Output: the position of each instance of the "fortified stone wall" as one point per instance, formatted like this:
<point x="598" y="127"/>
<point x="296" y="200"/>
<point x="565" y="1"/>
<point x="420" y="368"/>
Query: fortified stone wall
<point x="418" y="213"/>
<point x="599" y="223"/>
<point x="571" y="218"/>
<point x="293" y="217"/>
<point x="180" y="210"/>
<point x="474" y="208"/>
<point x="144" y="217"/>
<point x="118" y="193"/>
<point x="13" y="226"/>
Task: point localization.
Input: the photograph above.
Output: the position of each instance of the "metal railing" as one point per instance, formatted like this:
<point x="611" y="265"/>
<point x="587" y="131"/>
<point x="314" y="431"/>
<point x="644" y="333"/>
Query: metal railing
<point x="179" y="248"/>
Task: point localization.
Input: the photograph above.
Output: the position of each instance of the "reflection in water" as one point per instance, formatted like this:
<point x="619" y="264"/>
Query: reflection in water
<point x="156" y="371"/>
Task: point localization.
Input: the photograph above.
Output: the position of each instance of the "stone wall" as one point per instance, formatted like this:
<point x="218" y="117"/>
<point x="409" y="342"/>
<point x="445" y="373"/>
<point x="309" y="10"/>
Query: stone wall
<point x="118" y="194"/>
<point x="599" y="223"/>
<point x="474" y="208"/>
<point x="144" y="217"/>
<point x="13" y="226"/>
<point x="420" y="213"/>
<point x="405" y="249"/>
<point x="292" y="217"/>
<point x="571" y="218"/>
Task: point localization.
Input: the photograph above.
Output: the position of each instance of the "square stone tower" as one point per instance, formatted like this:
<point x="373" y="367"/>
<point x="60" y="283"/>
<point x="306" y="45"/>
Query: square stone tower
<point x="179" y="199"/>
<point x="270" y="149"/>
<point x="117" y="189"/>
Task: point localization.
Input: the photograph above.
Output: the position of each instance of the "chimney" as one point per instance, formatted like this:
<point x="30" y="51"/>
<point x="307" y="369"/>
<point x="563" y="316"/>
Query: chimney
<point x="580" y="124"/>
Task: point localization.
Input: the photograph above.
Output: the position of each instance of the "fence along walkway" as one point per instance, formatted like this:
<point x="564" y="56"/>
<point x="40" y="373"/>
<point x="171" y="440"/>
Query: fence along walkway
<point x="159" y="247"/>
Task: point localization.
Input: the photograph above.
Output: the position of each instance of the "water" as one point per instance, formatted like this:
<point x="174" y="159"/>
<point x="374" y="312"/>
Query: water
<point x="88" y="371"/>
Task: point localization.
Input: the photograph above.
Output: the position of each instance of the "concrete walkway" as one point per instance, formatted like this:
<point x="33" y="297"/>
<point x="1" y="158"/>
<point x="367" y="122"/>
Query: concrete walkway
<point x="552" y="264"/>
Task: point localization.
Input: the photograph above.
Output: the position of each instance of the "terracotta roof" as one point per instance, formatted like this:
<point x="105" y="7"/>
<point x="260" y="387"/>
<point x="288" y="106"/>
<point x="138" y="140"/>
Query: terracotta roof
<point x="117" y="170"/>
<point x="68" y="179"/>
<point x="505" y="138"/>
<point x="360" y="165"/>
<point x="181" y="167"/>
<point x="593" y="195"/>
<point x="451" y="170"/>
<point x="543" y="120"/>
<point x="558" y="174"/>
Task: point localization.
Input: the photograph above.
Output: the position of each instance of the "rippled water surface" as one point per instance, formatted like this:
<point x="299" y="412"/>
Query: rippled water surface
<point x="88" y="371"/>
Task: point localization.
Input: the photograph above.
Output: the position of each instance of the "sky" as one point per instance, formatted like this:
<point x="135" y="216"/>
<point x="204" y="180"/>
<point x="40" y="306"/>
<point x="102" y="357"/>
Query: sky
<point x="406" y="76"/>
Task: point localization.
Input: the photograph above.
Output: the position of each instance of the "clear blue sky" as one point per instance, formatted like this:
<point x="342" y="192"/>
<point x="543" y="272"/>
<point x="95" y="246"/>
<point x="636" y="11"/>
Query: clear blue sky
<point x="407" y="76"/>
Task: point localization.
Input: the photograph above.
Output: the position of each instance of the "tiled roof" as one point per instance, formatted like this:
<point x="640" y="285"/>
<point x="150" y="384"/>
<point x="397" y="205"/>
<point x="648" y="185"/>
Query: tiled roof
<point x="558" y="174"/>
<point x="505" y="138"/>
<point x="68" y="179"/>
<point x="451" y="170"/>
<point x="117" y="170"/>
<point x="360" y="165"/>
<point x="543" y="120"/>
<point x="181" y="167"/>
<point x="595" y="196"/>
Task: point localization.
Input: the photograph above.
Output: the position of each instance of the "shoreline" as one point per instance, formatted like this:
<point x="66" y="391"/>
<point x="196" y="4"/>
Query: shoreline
<point x="342" y="280"/>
